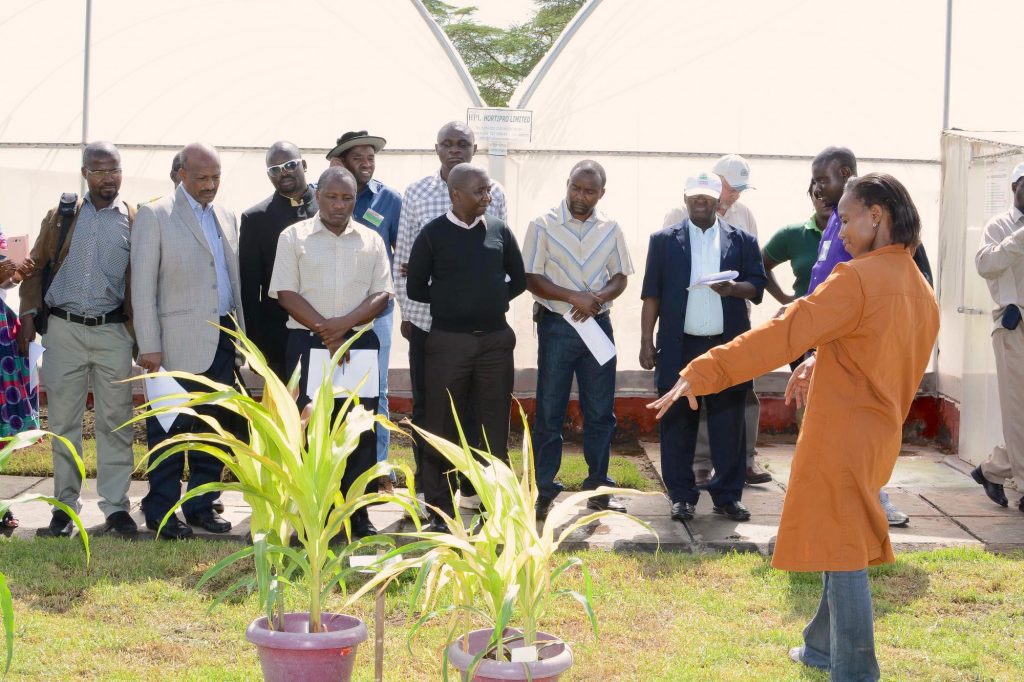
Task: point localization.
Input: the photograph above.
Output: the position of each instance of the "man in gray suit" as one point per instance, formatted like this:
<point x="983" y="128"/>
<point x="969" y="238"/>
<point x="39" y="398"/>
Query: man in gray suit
<point x="185" y="279"/>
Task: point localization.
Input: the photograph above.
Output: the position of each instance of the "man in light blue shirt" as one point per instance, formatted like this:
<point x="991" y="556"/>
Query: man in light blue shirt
<point x="204" y="214"/>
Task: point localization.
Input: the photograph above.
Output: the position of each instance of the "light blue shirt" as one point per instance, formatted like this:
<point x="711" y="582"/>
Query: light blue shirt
<point x="206" y="219"/>
<point x="703" y="315"/>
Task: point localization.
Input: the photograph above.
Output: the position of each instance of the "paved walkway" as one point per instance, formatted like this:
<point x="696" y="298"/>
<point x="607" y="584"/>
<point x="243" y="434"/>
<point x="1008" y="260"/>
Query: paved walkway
<point x="947" y="509"/>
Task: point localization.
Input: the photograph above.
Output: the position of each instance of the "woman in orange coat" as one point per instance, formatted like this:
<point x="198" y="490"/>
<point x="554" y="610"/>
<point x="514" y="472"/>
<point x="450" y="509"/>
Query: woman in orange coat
<point x="874" y="322"/>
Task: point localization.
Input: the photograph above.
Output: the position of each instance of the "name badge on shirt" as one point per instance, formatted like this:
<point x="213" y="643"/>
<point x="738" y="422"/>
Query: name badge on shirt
<point x="373" y="217"/>
<point x="823" y="251"/>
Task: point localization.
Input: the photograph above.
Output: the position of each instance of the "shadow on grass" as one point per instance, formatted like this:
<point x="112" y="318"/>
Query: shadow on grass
<point x="894" y="588"/>
<point x="50" y="574"/>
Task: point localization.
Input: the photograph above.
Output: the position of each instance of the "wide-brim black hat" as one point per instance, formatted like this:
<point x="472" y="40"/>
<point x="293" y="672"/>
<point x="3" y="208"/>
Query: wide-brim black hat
<point x="356" y="139"/>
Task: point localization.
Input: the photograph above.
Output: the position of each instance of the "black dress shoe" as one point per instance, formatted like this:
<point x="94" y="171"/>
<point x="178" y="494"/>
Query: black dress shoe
<point x="436" y="525"/>
<point x="361" y="526"/>
<point x="210" y="521"/>
<point x="993" y="490"/>
<point x="121" y="522"/>
<point x="734" y="510"/>
<point x="543" y="506"/>
<point x="1020" y="505"/>
<point x="61" y="525"/>
<point x="605" y="503"/>
<point x="174" y="529"/>
<point x="683" y="511"/>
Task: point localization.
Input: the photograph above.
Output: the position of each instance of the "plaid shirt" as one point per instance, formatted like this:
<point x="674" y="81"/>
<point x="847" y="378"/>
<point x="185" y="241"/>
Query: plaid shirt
<point x="423" y="201"/>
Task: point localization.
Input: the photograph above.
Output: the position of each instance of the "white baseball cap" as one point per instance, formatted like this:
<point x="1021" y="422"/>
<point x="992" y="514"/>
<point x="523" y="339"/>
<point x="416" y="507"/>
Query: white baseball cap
<point x="705" y="183"/>
<point x="1017" y="173"/>
<point x="736" y="171"/>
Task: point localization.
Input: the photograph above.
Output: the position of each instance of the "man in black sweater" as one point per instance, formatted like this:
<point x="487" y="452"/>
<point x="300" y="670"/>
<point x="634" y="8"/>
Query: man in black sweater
<point x="468" y="267"/>
<point x="293" y="200"/>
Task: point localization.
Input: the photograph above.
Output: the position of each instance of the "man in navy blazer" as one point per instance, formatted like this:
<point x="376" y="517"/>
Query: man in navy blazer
<point x="691" y="322"/>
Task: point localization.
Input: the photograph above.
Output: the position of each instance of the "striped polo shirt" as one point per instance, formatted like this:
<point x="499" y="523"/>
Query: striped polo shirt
<point x="574" y="254"/>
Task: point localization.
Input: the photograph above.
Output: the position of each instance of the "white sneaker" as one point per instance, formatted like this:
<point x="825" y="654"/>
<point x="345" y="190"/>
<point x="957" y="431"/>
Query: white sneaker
<point x="796" y="653"/>
<point x="469" y="502"/>
<point x="897" y="519"/>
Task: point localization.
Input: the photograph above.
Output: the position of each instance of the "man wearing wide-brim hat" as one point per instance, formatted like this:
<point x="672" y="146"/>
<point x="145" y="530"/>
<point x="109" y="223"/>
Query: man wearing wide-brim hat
<point x="378" y="207"/>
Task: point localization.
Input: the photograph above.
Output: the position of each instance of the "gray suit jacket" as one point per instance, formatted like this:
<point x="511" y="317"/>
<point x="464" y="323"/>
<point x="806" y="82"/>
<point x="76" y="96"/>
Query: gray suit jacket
<point x="174" y="282"/>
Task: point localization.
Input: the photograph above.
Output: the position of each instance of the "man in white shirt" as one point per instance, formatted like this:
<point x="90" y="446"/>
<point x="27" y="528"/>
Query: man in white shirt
<point x="734" y="172"/>
<point x="1000" y="260"/>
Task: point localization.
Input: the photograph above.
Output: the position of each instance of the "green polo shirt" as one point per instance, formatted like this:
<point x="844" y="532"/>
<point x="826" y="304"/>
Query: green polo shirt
<point x="797" y="244"/>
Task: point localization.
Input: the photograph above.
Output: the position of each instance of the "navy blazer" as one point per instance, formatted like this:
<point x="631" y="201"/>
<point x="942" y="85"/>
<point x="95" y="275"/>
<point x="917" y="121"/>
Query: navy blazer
<point x="667" y="276"/>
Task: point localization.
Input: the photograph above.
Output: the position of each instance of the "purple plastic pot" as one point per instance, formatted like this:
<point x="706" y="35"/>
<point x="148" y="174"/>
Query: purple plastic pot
<point x="554" y="659"/>
<point x="297" y="654"/>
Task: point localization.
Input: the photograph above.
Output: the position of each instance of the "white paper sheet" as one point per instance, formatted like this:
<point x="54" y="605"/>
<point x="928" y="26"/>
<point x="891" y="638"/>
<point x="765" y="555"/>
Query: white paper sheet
<point x="714" y="278"/>
<point x="361" y="363"/>
<point x="158" y="387"/>
<point x="600" y="346"/>
<point x="35" y="354"/>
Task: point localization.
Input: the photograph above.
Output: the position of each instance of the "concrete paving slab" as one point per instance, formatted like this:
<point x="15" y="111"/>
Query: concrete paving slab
<point x="999" y="534"/>
<point x="616" y="533"/>
<point x="926" y="532"/>
<point x="761" y="500"/>
<point x="911" y="503"/>
<point x="718" y="533"/>
<point x="962" y="503"/>
<point x="13" y="486"/>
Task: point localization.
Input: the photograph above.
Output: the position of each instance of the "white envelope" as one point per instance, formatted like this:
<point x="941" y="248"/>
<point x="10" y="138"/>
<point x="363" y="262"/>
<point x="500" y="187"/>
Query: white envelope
<point x="361" y="363"/>
<point x="156" y="388"/>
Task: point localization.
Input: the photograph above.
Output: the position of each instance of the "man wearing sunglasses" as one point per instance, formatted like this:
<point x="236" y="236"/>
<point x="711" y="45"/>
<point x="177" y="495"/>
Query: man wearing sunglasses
<point x="293" y="200"/>
<point x="88" y="337"/>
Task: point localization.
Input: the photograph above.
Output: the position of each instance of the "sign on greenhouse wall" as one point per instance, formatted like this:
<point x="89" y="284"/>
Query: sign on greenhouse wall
<point x="498" y="127"/>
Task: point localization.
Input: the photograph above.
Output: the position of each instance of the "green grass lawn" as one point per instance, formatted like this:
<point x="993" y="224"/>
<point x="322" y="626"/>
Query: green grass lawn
<point x="627" y="471"/>
<point x="134" y="615"/>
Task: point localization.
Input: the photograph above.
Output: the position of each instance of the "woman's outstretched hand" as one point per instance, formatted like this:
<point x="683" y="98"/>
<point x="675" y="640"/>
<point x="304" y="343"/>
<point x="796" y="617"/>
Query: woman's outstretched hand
<point x="682" y="388"/>
<point x="800" y="383"/>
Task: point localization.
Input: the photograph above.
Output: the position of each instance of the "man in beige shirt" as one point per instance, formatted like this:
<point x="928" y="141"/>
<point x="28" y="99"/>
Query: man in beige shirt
<point x="1000" y="260"/>
<point x="734" y="172"/>
<point x="332" y="277"/>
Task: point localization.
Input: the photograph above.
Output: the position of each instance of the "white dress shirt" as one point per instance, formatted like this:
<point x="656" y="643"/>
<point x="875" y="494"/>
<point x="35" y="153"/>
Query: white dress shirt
<point x="703" y="305"/>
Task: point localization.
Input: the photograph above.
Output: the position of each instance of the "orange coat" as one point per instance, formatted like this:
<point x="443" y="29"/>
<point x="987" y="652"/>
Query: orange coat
<point x="874" y="322"/>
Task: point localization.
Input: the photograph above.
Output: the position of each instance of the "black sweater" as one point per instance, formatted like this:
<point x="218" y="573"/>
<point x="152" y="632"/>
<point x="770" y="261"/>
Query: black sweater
<point x="462" y="274"/>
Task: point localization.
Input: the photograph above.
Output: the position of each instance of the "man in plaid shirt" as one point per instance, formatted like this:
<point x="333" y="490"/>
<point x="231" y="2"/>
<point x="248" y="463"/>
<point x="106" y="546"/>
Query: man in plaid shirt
<point x="423" y="201"/>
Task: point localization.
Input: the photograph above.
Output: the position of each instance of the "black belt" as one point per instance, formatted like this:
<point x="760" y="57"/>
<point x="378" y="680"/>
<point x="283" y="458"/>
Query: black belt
<point x="113" y="316"/>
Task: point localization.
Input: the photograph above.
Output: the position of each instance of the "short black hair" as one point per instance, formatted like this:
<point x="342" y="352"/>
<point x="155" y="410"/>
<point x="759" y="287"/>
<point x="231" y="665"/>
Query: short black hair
<point x="843" y="155"/>
<point x="592" y="167"/>
<point x="176" y="163"/>
<point x="332" y="171"/>
<point x="882" y="189"/>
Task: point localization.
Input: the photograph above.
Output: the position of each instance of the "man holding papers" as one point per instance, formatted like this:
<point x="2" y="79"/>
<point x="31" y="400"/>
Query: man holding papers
<point x="576" y="264"/>
<point x="468" y="267"/>
<point x="693" y="318"/>
<point x="332" y="277"/>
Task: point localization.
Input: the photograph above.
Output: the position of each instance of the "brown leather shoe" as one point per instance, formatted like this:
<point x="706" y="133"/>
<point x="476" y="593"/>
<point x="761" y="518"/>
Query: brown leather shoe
<point x="756" y="475"/>
<point x="702" y="477"/>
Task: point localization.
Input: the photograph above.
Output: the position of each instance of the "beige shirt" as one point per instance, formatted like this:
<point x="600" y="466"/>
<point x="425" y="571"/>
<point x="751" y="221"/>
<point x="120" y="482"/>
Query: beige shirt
<point x="1000" y="260"/>
<point x="334" y="273"/>
<point x="738" y="215"/>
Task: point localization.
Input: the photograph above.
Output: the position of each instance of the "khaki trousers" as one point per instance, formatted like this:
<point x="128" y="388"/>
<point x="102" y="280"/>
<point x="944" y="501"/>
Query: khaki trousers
<point x="1007" y="460"/>
<point x="76" y="356"/>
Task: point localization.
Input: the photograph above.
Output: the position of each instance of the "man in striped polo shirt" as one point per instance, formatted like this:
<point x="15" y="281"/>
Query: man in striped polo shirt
<point x="576" y="261"/>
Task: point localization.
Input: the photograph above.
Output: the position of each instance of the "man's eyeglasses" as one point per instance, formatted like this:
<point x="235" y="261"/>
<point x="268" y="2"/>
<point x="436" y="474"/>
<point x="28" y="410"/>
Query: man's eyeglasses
<point x="111" y="173"/>
<point x="289" y="166"/>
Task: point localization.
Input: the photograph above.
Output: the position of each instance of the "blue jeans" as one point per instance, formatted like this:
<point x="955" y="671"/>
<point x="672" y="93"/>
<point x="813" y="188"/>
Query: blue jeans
<point x="841" y="636"/>
<point x="382" y="326"/>
<point x="561" y="355"/>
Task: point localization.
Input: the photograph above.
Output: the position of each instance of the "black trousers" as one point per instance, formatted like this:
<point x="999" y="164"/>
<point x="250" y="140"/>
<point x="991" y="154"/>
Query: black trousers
<point x="477" y="370"/>
<point x="418" y="381"/>
<point x="165" y="480"/>
<point x="727" y="436"/>
<point x="300" y="342"/>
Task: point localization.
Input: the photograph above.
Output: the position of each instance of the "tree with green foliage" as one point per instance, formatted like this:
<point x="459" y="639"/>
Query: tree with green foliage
<point x="499" y="59"/>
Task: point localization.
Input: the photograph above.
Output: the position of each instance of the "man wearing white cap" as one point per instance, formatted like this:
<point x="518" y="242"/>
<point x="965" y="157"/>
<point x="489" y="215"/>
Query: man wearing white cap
<point x="691" y="322"/>
<point x="734" y="172"/>
<point x="1000" y="260"/>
